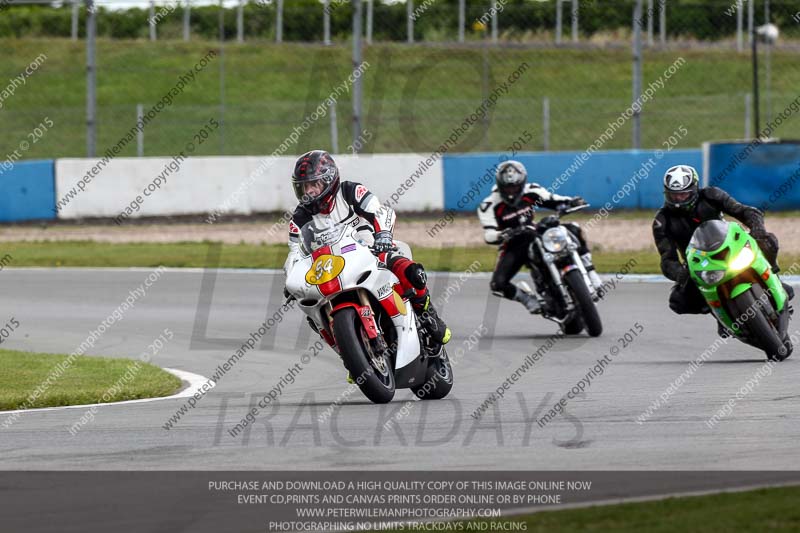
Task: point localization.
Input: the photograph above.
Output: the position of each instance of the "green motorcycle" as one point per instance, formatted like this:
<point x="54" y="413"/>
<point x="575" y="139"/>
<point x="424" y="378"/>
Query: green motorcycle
<point x="736" y="280"/>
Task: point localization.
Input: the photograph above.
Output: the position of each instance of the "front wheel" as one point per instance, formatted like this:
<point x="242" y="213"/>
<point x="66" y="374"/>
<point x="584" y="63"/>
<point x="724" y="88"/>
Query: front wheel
<point x="372" y="372"/>
<point x="438" y="379"/>
<point x="761" y="330"/>
<point x="583" y="300"/>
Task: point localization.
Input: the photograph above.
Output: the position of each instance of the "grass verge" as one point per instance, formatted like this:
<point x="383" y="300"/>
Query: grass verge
<point x="744" y="512"/>
<point x="205" y="254"/>
<point x="79" y="380"/>
<point x="214" y="255"/>
<point x="414" y="95"/>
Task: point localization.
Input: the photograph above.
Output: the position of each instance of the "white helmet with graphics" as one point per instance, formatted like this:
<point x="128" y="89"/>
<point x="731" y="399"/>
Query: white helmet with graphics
<point x="681" y="187"/>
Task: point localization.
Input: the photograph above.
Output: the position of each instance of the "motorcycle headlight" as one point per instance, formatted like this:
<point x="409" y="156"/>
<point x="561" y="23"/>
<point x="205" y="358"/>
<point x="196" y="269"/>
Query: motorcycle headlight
<point x="743" y="260"/>
<point x="712" y="277"/>
<point x="555" y="240"/>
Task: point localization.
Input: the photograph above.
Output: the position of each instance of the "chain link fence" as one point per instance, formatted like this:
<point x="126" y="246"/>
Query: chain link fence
<point x="517" y="74"/>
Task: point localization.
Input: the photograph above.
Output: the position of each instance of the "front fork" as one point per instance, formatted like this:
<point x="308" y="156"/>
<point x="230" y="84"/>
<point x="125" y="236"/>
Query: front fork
<point x="578" y="260"/>
<point x="554" y="273"/>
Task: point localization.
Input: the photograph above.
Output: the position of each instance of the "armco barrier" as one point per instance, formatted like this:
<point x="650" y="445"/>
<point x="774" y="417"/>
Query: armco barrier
<point x="27" y="191"/>
<point x="207" y="184"/>
<point x="766" y="175"/>
<point x="469" y="178"/>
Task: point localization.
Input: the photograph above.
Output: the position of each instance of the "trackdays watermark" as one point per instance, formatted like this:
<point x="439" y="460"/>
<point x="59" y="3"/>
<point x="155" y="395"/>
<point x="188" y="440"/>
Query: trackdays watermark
<point x="22" y="79"/>
<point x="344" y="395"/>
<point x="440" y="424"/>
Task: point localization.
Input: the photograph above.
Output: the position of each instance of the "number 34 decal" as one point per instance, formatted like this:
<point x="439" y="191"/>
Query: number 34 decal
<point x="324" y="269"/>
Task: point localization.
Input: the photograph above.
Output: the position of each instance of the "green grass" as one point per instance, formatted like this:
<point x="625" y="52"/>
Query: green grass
<point x="215" y="255"/>
<point x="84" y="381"/>
<point x="413" y="95"/>
<point x="744" y="512"/>
<point x="201" y="255"/>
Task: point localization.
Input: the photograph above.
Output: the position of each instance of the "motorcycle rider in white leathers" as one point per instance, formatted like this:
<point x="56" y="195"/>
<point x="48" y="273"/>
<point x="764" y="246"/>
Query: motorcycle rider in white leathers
<point x="326" y="200"/>
<point x="507" y="215"/>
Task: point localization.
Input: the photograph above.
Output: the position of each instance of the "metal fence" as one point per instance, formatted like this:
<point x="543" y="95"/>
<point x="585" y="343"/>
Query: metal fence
<point x="551" y="75"/>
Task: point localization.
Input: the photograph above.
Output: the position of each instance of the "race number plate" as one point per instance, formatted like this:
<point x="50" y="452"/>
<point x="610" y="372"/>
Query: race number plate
<point x="324" y="269"/>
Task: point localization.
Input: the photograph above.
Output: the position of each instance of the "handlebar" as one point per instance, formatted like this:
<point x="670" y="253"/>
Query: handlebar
<point x="567" y="210"/>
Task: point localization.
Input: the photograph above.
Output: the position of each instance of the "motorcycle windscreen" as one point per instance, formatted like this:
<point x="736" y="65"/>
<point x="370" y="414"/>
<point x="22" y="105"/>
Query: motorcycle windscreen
<point x="710" y="235"/>
<point x="318" y="234"/>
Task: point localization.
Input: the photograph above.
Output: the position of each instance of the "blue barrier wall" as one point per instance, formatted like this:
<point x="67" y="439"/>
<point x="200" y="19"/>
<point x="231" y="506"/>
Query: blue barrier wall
<point x="767" y="178"/>
<point x="27" y="191"/>
<point x="469" y="178"/>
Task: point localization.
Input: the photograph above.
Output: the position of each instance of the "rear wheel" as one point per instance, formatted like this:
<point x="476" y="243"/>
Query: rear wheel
<point x="372" y="372"/>
<point x="760" y="329"/>
<point x="438" y="379"/>
<point x="584" y="302"/>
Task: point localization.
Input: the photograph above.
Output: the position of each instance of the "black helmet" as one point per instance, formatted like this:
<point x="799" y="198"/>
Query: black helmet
<point x="511" y="177"/>
<point x="315" y="181"/>
<point x="681" y="187"/>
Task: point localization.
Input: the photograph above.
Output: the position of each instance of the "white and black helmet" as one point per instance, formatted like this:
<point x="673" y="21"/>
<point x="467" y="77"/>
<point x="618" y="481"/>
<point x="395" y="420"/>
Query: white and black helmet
<point x="511" y="177"/>
<point x="681" y="187"/>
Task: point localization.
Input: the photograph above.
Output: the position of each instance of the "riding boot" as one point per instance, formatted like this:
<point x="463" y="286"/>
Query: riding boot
<point x="435" y="326"/>
<point x="529" y="300"/>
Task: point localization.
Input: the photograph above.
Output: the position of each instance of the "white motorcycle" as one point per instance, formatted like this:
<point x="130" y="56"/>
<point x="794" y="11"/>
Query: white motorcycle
<point x="352" y="300"/>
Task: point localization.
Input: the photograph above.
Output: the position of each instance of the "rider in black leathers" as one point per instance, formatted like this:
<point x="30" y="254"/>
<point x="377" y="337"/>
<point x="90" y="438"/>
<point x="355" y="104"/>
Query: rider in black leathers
<point x="686" y="206"/>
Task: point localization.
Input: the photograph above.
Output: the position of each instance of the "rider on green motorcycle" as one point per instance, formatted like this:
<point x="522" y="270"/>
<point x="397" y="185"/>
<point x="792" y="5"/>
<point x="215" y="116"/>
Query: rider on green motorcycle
<point x="686" y="206"/>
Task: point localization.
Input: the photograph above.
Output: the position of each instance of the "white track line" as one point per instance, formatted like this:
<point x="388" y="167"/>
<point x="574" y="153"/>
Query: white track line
<point x="196" y="381"/>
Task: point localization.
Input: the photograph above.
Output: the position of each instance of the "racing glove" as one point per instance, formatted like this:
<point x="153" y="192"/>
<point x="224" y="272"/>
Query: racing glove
<point x="577" y="201"/>
<point x="511" y="233"/>
<point x="383" y="242"/>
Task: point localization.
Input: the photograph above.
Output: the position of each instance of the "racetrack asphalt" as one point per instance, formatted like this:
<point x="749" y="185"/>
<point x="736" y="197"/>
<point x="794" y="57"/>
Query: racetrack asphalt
<point x="57" y="308"/>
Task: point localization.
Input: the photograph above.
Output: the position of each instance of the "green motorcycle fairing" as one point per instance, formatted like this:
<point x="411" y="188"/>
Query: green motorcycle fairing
<point x="719" y="253"/>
